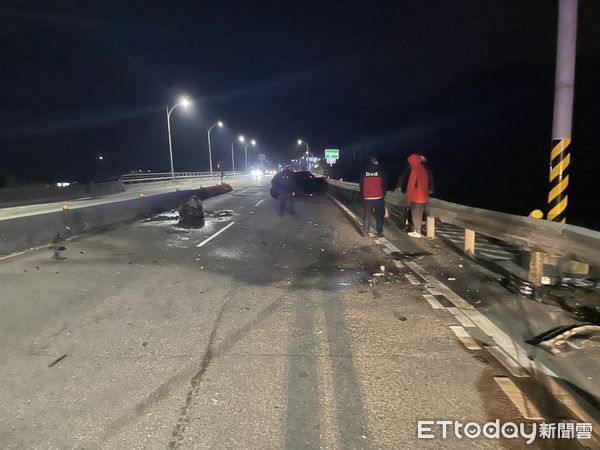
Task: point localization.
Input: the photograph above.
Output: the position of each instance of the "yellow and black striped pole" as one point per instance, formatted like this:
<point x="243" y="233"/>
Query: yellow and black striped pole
<point x="560" y="156"/>
<point x="558" y="198"/>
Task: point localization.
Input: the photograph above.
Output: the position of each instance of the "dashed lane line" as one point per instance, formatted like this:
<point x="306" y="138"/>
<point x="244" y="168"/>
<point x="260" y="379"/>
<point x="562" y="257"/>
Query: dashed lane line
<point x="507" y="362"/>
<point x="464" y="320"/>
<point x="207" y="240"/>
<point x="412" y="280"/>
<point x="432" y="301"/>
<point x="465" y="338"/>
<point x="527" y="409"/>
<point x="260" y="202"/>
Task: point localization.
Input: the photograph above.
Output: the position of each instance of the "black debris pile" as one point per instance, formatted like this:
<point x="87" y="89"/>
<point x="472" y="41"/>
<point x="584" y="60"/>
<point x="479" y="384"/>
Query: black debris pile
<point x="191" y="213"/>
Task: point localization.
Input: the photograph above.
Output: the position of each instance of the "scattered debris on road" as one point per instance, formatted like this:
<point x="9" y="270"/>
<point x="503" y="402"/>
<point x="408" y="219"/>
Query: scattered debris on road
<point x="57" y="360"/>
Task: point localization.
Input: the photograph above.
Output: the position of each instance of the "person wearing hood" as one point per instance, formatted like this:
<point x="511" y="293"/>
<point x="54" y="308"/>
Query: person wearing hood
<point x="373" y="185"/>
<point x="417" y="182"/>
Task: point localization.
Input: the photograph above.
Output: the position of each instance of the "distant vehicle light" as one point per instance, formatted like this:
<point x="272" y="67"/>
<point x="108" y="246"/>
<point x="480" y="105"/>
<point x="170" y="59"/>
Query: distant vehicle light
<point x="63" y="184"/>
<point x="256" y="173"/>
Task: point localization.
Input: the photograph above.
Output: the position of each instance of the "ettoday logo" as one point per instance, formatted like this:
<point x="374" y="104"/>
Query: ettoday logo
<point x="433" y="429"/>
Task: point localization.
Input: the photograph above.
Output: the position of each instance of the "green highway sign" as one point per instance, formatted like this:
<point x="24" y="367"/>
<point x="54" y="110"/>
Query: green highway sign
<point x="332" y="153"/>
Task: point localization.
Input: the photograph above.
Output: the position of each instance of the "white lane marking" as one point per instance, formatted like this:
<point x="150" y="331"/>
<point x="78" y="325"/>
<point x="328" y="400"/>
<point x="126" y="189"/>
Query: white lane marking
<point x="464" y="320"/>
<point x="412" y="279"/>
<point x="516" y="396"/>
<point x="441" y="287"/>
<point x="23" y="252"/>
<point x="205" y="241"/>
<point x="260" y="202"/>
<point x="433" y="301"/>
<point x="399" y="264"/>
<point x="387" y="251"/>
<point x="503" y="340"/>
<point x="508" y="363"/>
<point x="392" y="247"/>
<point x="465" y="338"/>
<point x="345" y="209"/>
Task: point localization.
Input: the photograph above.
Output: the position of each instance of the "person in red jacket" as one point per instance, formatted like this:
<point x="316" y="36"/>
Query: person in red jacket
<point x="373" y="185"/>
<point x="418" y="188"/>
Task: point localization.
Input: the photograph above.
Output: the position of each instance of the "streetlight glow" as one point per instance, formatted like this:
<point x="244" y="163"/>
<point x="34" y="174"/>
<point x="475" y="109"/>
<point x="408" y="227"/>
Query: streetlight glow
<point x="301" y="142"/>
<point x="253" y="143"/>
<point x="217" y="124"/>
<point x="184" y="102"/>
<point x="241" y="138"/>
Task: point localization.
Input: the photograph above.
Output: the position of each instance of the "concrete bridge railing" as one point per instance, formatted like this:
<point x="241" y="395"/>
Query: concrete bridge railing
<point x="153" y="177"/>
<point x="541" y="238"/>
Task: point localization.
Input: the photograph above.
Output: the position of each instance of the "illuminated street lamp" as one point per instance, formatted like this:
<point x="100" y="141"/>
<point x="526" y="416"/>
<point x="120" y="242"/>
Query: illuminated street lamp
<point x="301" y="142"/>
<point x="239" y="139"/>
<point x="216" y="124"/>
<point x="183" y="102"/>
<point x="253" y="143"/>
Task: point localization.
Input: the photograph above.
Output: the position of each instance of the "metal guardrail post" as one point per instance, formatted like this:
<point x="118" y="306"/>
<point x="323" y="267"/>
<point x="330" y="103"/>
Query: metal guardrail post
<point x="469" y="242"/>
<point x="430" y="227"/>
<point x="536" y="268"/>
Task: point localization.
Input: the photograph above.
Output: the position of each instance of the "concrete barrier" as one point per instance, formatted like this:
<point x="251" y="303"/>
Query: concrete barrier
<point x="35" y="230"/>
<point x="46" y="194"/>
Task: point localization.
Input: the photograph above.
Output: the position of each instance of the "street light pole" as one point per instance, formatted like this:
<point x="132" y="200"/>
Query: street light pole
<point x="170" y="144"/>
<point x="220" y="125"/>
<point x="240" y="139"/>
<point x="560" y="157"/>
<point x="253" y="142"/>
<point x="300" y="142"/>
<point x="182" y="102"/>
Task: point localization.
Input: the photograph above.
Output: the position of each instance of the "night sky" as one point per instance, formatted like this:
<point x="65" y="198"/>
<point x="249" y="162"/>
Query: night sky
<point x="468" y="83"/>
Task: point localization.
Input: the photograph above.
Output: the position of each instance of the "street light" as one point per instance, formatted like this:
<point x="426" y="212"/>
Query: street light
<point x="253" y="143"/>
<point x="240" y="139"/>
<point x="220" y="125"/>
<point x="183" y="102"/>
<point x="300" y="142"/>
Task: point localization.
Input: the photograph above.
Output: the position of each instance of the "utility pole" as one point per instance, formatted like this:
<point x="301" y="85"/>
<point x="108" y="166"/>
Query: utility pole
<point x="564" y="84"/>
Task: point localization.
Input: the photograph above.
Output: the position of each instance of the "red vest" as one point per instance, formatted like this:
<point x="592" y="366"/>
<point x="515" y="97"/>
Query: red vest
<point x="372" y="186"/>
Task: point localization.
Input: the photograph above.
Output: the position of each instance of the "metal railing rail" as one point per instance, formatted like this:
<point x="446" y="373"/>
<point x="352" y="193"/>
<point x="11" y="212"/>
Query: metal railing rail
<point x="541" y="237"/>
<point x="148" y="177"/>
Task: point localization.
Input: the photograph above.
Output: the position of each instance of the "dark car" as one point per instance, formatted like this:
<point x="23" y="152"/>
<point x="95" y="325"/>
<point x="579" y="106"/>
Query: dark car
<point x="307" y="185"/>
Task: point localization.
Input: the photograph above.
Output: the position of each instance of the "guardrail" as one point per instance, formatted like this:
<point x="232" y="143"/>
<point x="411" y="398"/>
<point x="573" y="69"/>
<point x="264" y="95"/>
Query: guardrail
<point x="149" y="177"/>
<point x="540" y="237"/>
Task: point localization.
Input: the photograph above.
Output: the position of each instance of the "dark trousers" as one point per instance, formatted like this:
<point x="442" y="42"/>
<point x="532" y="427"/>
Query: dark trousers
<point x="284" y="198"/>
<point x="376" y="207"/>
<point x="417" y="210"/>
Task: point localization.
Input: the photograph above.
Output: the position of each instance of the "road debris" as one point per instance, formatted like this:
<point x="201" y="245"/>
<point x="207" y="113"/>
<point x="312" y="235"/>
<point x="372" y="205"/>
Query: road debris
<point x="400" y="317"/>
<point x="191" y="213"/>
<point x="57" y="360"/>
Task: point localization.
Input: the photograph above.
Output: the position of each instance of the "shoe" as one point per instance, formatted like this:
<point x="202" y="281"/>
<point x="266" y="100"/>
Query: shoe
<point x="379" y="235"/>
<point x="416" y="235"/>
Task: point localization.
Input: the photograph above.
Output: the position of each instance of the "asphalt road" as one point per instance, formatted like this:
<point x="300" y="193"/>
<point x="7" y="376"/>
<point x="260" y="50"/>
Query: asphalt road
<point x="272" y="334"/>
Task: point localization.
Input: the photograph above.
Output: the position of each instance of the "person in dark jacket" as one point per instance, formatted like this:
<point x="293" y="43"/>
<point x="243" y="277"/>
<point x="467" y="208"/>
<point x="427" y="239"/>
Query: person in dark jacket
<point x="417" y="182"/>
<point x="285" y="184"/>
<point x="373" y="185"/>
